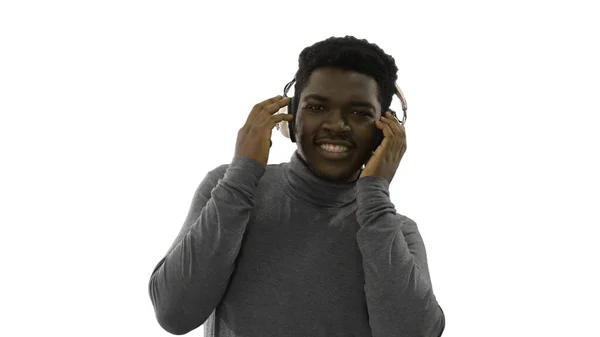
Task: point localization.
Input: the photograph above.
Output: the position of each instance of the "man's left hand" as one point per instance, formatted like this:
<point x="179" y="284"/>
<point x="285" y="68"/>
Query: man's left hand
<point x="385" y="160"/>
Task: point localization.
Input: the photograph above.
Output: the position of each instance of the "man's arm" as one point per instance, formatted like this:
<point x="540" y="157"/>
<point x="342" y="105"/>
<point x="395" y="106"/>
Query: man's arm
<point x="398" y="288"/>
<point x="189" y="282"/>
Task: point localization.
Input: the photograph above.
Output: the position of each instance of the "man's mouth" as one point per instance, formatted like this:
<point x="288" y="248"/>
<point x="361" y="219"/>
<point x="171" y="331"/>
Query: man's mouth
<point x="334" y="148"/>
<point x="333" y="151"/>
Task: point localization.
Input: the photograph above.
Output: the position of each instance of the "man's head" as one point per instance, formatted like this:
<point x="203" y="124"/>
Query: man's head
<point x="343" y="85"/>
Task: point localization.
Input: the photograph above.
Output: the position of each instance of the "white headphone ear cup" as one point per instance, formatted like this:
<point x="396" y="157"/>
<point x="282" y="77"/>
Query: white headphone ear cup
<point x="285" y="130"/>
<point x="283" y="125"/>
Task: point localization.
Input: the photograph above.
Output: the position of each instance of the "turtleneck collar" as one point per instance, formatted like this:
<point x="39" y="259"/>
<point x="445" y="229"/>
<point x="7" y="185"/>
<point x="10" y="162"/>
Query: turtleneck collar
<point x="300" y="183"/>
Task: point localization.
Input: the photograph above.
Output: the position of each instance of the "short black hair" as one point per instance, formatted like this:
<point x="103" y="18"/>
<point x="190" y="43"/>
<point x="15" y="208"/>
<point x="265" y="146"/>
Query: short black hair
<point x="349" y="53"/>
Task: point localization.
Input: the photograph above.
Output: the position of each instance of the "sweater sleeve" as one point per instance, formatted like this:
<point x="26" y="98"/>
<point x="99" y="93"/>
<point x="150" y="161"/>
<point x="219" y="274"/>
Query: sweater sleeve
<point x="398" y="288"/>
<point x="189" y="282"/>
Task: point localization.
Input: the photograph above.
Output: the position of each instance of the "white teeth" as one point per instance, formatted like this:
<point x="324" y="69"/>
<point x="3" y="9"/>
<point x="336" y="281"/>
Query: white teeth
<point x="334" y="148"/>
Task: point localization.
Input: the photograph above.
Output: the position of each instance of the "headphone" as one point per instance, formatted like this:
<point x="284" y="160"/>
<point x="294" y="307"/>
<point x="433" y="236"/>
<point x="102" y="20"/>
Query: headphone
<point x="287" y="129"/>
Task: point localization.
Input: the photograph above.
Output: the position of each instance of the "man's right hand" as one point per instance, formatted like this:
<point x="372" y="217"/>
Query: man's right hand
<point x="254" y="138"/>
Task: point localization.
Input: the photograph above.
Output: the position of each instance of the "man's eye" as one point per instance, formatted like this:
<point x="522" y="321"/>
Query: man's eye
<point x="320" y="107"/>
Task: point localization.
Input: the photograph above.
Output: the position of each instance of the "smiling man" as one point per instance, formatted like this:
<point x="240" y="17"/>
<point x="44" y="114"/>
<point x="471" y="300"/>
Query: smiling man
<point x="335" y="122"/>
<point x="313" y="246"/>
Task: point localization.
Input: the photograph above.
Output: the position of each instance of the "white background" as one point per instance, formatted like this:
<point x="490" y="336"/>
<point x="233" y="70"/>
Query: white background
<point x="112" y="112"/>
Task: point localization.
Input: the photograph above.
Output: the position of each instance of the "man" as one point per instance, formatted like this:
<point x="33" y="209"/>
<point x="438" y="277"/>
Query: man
<point x="312" y="247"/>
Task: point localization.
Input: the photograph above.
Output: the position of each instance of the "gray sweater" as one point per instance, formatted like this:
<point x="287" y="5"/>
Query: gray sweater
<point x="278" y="251"/>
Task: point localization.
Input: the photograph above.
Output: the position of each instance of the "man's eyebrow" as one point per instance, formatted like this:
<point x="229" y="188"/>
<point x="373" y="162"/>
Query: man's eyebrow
<point x="353" y="103"/>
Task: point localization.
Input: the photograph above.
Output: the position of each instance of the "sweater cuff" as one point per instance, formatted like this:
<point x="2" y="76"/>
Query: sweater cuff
<point x="372" y="197"/>
<point x="372" y="186"/>
<point x="244" y="170"/>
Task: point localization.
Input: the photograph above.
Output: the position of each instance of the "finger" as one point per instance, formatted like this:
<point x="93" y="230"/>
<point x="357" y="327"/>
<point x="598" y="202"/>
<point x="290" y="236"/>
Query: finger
<point x="384" y="125"/>
<point x="399" y="132"/>
<point x="395" y="124"/>
<point x="276" y="105"/>
<point x="388" y="135"/>
<point x="394" y="127"/>
<point x="389" y="122"/>
<point x="271" y="109"/>
<point x="259" y="106"/>
<point x="278" y="118"/>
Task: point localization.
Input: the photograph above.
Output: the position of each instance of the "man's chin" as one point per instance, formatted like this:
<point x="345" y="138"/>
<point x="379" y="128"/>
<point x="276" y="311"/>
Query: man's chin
<point x="334" y="170"/>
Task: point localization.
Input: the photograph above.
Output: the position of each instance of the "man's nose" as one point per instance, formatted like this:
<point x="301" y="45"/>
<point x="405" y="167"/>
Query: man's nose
<point x="337" y="122"/>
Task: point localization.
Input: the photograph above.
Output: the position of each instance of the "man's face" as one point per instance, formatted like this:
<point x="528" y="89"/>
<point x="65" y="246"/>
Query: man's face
<point x="337" y="106"/>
